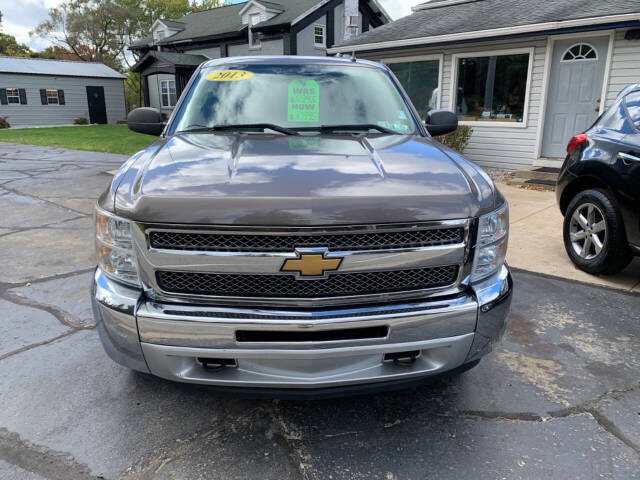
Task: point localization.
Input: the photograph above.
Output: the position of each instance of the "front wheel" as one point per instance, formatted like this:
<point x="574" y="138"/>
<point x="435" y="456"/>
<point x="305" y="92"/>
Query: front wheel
<point x="594" y="235"/>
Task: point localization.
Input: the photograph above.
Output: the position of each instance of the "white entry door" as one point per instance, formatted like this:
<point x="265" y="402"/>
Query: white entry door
<point x="575" y="87"/>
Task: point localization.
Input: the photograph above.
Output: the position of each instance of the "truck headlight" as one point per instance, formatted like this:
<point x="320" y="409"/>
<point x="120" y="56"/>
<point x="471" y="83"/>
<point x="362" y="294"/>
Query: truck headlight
<point x="491" y="247"/>
<point x="114" y="247"/>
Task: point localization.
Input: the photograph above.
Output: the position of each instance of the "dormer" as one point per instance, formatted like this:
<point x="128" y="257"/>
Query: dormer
<point x="256" y="11"/>
<point x="163" y="28"/>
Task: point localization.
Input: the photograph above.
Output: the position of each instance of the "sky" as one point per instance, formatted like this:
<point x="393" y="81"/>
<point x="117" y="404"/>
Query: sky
<point x="19" y="17"/>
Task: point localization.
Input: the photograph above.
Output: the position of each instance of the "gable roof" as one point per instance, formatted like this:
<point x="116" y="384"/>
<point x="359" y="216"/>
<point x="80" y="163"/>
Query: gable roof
<point x="292" y="11"/>
<point x="172" y="23"/>
<point x="276" y="7"/>
<point x="59" y="68"/>
<point x="442" y="20"/>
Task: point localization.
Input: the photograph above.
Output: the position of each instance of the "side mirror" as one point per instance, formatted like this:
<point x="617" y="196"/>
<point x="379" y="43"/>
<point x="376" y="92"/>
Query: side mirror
<point x="441" y="122"/>
<point x="146" y="120"/>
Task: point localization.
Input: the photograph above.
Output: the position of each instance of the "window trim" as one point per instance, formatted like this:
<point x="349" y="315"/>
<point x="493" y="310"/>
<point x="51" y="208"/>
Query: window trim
<point x="493" y="53"/>
<point x="422" y="58"/>
<point x="17" y="95"/>
<point x="47" y="90"/>
<point x="595" y="50"/>
<point x="168" y="94"/>
<point x="324" y="35"/>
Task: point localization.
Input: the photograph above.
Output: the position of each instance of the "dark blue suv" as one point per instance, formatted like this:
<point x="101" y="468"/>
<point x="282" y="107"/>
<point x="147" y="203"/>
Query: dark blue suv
<point x="599" y="189"/>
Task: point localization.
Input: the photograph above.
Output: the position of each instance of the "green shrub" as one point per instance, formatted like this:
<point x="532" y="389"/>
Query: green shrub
<point x="457" y="140"/>
<point x="81" y="121"/>
<point x="4" y="123"/>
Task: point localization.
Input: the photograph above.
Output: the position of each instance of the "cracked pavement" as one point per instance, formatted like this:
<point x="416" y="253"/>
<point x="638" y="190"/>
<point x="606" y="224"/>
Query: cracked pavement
<point x="559" y="398"/>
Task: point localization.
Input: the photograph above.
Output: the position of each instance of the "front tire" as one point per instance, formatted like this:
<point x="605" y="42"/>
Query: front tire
<point x="594" y="235"/>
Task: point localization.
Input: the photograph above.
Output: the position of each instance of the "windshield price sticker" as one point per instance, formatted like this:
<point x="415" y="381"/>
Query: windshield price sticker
<point x="229" y="76"/>
<point x="304" y="101"/>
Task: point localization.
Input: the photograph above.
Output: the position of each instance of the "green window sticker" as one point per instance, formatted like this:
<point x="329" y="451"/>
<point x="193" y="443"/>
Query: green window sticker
<point x="304" y="101"/>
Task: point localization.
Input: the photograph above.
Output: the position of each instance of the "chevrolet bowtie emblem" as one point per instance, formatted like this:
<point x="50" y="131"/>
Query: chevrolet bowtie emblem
<point x="311" y="264"/>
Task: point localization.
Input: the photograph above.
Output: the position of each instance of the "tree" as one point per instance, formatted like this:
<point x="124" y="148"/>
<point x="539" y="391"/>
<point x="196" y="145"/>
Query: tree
<point x="11" y="48"/>
<point x="9" y="45"/>
<point x="56" y="52"/>
<point x="145" y="12"/>
<point x="101" y="30"/>
<point x="132" y="92"/>
<point x="91" y="29"/>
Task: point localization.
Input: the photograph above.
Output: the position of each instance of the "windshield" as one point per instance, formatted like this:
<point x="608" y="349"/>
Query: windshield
<point x="294" y="97"/>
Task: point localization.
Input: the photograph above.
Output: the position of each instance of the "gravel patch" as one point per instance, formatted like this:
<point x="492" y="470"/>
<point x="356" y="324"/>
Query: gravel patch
<point x="499" y="174"/>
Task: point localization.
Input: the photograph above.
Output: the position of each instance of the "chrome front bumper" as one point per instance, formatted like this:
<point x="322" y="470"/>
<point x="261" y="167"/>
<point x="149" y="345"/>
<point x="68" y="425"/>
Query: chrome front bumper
<point x="167" y="339"/>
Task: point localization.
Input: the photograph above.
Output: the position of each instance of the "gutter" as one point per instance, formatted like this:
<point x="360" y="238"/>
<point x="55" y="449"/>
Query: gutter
<point x="484" y="34"/>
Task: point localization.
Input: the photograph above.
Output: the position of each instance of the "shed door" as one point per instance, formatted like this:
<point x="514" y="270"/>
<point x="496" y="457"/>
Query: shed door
<point x="575" y="87"/>
<point x="97" y="108"/>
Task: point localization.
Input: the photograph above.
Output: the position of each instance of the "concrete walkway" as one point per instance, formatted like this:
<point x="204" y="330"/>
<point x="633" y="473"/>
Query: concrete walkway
<point x="535" y="242"/>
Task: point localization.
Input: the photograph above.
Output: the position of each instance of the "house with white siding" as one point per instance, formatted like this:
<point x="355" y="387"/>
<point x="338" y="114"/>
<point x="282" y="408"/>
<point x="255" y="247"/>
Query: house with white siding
<point x="36" y="91"/>
<point x="175" y="48"/>
<point x="525" y="76"/>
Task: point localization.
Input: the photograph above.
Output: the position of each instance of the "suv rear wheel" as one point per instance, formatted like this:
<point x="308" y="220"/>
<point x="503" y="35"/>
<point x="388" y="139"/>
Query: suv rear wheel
<point x="594" y="234"/>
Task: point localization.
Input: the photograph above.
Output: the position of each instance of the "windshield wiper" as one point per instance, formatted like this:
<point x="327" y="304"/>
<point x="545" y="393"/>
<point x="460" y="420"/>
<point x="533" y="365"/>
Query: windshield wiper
<point x="358" y="128"/>
<point x="245" y="127"/>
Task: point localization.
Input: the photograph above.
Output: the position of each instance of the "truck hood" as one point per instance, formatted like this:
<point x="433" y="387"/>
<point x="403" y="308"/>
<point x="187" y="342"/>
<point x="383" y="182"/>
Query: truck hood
<point x="307" y="180"/>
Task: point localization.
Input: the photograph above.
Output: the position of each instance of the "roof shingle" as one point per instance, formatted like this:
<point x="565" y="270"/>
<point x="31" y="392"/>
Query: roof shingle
<point x="481" y="15"/>
<point x="226" y="20"/>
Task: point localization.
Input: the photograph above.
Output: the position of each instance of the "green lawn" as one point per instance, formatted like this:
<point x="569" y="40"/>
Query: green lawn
<point x="95" y="138"/>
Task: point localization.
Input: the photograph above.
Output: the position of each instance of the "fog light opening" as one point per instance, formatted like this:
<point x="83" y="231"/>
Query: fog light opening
<point x="216" y="363"/>
<point x="402" y="358"/>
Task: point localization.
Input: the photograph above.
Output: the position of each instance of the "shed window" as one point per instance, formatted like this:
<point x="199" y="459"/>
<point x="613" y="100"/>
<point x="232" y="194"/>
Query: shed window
<point x="492" y="88"/>
<point x="420" y="80"/>
<point x="319" y="38"/>
<point x="52" y="97"/>
<point x="580" y="52"/>
<point x="168" y="93"/>
<point x="13" y="96"/>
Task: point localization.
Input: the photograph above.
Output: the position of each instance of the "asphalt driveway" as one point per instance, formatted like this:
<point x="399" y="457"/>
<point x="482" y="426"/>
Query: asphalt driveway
<point x="560" y="398"/>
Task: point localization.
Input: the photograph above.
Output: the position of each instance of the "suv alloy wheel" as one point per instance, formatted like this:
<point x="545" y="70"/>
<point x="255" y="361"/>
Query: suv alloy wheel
<point x="594" y="235"/>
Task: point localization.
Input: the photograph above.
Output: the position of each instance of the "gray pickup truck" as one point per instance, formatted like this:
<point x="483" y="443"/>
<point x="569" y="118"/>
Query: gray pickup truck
<point x="295" y="229"/>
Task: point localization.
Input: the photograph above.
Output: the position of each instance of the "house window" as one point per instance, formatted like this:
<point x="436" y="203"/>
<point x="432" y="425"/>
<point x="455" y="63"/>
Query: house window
<point x="13" y="96"/>
<point x="492" y="88"/>
<point x="254" y="41"/>
<point x="580" y="52"/>
<point x="52" y="96"/>
<point x="420" y="79"/>
<point x="168" y="93"/>
<point x="319" y="38"/>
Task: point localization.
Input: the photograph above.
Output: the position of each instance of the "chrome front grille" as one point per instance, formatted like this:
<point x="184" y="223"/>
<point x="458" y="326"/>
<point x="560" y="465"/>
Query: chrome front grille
<point x="287" y="286"/>
<point x="230" y="242"/>
<point x="246" y="265"/>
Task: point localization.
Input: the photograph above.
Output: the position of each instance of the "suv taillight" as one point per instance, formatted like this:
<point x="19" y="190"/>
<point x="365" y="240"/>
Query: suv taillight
<point x="576" y="141"/>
